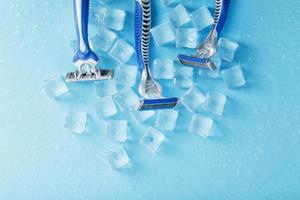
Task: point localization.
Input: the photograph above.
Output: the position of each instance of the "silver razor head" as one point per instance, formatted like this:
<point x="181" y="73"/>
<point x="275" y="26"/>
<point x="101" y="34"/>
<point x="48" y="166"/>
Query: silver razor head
<point x="100" y="74"/>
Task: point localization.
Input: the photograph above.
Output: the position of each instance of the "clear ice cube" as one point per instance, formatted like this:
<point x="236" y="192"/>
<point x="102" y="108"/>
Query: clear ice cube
<point x="106" y="88"/>
<point x="125" y="75"/>
<point x="105" y="107"/>
<point x="163" y="34"/>
<point x="141" y="116"/>
<point x="121" y="51"/>
<point x="202" y="18"/>
<point x="233" y="77"/>
<point x="152" y="139"/>
<point x="184" y="77"/>
<point x="55" y="86"/>
<point x="126" y="99"/>
<point x="201" y="125"/>
<point x="76" y="122"/>
<point x="116" y="130"/>
<point x="104" y="39"/>
<point x="186" y="37"/>
<point x="110" y="18"/>
<point x="227" y="49"/>
<point x="215" y="103"/>
<point x="117" y="157"/>
<point x="193" y="99"/>
<point x="170" y="2"/>
<point x="179" y="16"/>
<point x="163" y="69"/>
<point x="166" y="120"/>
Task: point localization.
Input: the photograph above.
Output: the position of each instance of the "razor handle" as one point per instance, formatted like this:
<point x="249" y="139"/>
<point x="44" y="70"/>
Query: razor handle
<point x="221" y="11"/>
<point x="142" y="26"/>
<point x="81" y="18"/>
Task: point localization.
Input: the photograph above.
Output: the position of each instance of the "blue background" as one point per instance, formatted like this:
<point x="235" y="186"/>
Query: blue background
<point x="254" y="156"/>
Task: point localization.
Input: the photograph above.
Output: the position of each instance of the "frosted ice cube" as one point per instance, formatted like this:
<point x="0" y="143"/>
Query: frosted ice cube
<point x="227" y="49"/>
<point x="163" y="69"/>
<point x="184" y="77"/>
<point x="186" y="37"/>
<point x="105" y="107"/>
<point x="166" y="119"/>
<point x="193" y="99"/>
<point x="125" y="75"/>
<point x="233" y="77"/>
<point x="163" y="34"/>
<point x="126" y="99"/>
<point x="141" y="116"/>
<point x="170" y="2"/>
<point x="117" y="157"/>
<point x="76" y="122"/>
<point x="201" y="125"/>
<point x="116" y="130"/>
<point x="55" y="86"/>
<point x="104" y="39"/>
<point x="215" y="103"/>
<point x="152" y="139"/>
<point x="121" y="51"/>
<point x="110" y="18"/>
<point x="179" y="16"/>
<point x="202" y="18"/>
<point x="106" y="88"/>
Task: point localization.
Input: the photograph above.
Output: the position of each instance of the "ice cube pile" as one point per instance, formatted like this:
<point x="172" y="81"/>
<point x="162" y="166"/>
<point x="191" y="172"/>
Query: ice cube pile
<point x="115" y="101"/>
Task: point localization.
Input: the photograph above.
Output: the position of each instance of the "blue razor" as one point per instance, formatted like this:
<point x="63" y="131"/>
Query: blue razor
<point x="208" y="47"/>
<point x="85" y="60"/>
<point x="148" y="88"/>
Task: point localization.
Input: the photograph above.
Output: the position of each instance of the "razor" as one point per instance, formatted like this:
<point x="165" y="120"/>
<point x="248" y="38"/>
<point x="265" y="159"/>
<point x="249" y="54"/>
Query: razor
<point x="148" y="88"/>
<point x="208" y="48"/>
<point x="85" y="60"/>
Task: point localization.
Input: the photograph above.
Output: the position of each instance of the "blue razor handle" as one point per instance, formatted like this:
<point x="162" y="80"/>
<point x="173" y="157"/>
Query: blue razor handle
<point x="84" y="54"/>
<point x="221" y="11"/>
<point x="142" y="26"/>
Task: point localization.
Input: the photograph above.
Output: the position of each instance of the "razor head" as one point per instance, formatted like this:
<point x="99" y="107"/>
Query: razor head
<point x="157" y="104"/>
<point x="194" y="61"/>
<point x="100" y="74"/>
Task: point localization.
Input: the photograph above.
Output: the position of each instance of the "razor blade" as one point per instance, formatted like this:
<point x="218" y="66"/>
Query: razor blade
<point x="194" y="61"/>
<point x="155" y="104"/>
<point x="100" y="74"/>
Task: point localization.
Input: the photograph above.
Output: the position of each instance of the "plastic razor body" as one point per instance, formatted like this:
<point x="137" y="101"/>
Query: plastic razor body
<point x="208" y="47"/>
<point x="85" y="60"/>
<point x="148" y="88"/>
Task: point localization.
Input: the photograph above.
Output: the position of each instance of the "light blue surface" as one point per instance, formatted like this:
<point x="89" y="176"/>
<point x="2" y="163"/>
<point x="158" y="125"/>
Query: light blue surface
<point x="256" y="156"/>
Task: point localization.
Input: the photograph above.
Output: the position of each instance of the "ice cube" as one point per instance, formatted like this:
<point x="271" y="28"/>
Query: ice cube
<point x="126" y="99"/>
<point x="193" y="99"/>
<point x="233" y="77"/>
<point x="104" y="39"/>
<point x="166" y="120"/>
<point x="201" y="125"/>
<point x="227" y="49"/>
<point x="152" y="139"/>
<point x="163" y="34"/>
<point x="125" y="75"/>
<point x="107" y="1"/>
<point x="202" y="18"/>
<point x="163" y="69"/>
<point x="214" y="103"/>
<point x="116" y="130"/>
<point x="186" y="37"/>
<point x="106" y="88"/>
<point x="184" y="77"/>
<point x="117" y="157"/>
<point x="105" y="107"/>
<point x="76" y="122"/>
<point x="141" y="116"/>
<point x="110" y="18"/>
<point x="121" y="51"/>
<point x="55" y="86"/>
<point x="170" y="2"/>
<point x="179" y="16"/>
